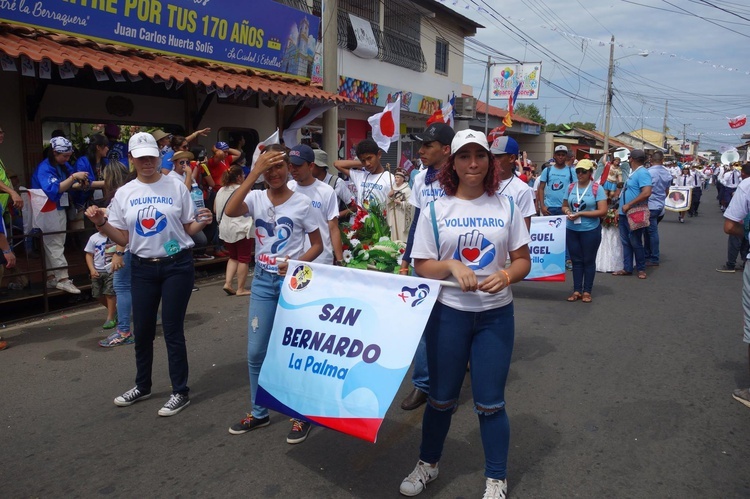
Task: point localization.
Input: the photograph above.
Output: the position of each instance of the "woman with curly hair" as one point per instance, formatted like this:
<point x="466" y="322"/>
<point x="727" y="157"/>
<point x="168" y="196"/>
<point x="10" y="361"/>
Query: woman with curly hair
<point x="465" y="237"/>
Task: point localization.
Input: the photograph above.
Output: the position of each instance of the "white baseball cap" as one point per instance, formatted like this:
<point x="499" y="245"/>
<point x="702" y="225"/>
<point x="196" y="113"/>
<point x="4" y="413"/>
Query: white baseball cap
<point x="143" y="144"/>
<point x="464" y="137"/>
<point x="561" y="148"/>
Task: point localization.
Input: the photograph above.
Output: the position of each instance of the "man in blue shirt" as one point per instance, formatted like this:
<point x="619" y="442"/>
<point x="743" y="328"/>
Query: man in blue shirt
<point x="553" y="186"/>
<point x="636" y="191"/>
<point x="661" y="179"/>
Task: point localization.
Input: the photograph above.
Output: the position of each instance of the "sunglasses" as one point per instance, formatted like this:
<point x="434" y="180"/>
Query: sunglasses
<point x="581" y="171"/>
<point x="184" y="161"/>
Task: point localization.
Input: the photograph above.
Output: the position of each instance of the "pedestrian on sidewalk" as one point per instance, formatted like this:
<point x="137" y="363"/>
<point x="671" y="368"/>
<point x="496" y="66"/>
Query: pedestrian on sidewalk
<point x="99" y="251"/>
<point x="154" y="215"/>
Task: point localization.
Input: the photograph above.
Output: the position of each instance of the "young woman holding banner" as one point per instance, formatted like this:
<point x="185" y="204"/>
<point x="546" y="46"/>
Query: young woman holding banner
<point x="282" y="218"/>
<point x="473" y="323"/>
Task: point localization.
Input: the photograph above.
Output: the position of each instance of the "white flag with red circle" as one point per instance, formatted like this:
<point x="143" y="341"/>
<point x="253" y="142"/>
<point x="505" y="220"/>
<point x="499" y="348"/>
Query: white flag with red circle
<point x="386" y="125"/>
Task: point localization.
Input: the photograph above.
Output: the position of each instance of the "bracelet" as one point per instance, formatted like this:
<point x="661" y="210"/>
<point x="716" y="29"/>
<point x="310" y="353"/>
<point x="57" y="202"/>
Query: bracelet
<point x="106" y="219"/>
<point x="507" y="276"/>
<point x="7" y="252"/>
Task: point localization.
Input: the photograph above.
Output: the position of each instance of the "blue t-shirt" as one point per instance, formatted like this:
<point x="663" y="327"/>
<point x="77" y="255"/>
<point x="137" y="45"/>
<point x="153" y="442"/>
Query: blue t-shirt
<point x="118" y="151"/>
<point x="587" y="203"/>
<point x="557" y="180"/>
<point x="48" y="177"/>
<point x="636" y="181"/>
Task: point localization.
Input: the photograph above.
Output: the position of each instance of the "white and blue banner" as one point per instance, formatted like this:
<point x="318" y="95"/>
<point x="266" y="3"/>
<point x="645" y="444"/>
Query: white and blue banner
<point x="547" y="248"/>
<point x="342" y="341"/>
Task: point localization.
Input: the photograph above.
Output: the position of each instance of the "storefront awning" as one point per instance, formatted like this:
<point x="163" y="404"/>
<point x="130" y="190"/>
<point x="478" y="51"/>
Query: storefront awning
<point x="38" y="45"/>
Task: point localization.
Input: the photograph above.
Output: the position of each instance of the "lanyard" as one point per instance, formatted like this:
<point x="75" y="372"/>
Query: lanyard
<point x="580" y="196"/>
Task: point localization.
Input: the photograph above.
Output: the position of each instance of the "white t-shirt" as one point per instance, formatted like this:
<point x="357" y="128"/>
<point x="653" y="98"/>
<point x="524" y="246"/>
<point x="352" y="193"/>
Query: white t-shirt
<point x="520" y="193"/>
<point x="97" y="245"/>
<point x="731" y="178"/>
<point x="154" y="215"/>
<point x="325" y="208"/>
<point x="479" y="233"/>
<point x="279" y="230"/>
<point x="422" y="194"/>
<point x="739" y="206"/>
<point x="178" y="176"/>
<point x="343" y="192"/>
<point x="371" y="185"/>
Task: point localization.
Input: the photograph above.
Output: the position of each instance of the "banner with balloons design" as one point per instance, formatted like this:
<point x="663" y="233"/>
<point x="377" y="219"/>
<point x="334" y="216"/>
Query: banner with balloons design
<point x="342" y="341"/>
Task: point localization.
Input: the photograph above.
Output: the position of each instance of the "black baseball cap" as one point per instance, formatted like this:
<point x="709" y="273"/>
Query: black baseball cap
<point x="439" y="132"/>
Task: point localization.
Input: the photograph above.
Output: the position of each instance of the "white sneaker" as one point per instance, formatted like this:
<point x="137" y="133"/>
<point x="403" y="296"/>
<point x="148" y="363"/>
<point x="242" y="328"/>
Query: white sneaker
<point x="418" y="479"/>
<point x="68" y="287"/>
<point x="495" y="489"/>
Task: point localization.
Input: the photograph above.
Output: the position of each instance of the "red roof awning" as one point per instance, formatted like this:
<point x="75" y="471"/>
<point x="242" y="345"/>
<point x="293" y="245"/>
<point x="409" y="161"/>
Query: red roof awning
<point x="37" y="45"/>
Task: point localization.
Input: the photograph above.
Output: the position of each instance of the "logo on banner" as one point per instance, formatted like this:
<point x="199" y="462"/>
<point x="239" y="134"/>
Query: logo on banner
<point x="555" y="223"/>
<point x="419" y="294"/>
<point x="301" y="277"/>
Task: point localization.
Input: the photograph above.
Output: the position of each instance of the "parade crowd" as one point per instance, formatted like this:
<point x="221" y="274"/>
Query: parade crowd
<point x="161" y="201"/>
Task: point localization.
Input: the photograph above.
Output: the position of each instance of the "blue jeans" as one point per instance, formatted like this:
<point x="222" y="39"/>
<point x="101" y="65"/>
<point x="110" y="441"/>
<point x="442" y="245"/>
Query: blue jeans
<point x="632" y="246"/>
<point x="420" y="377"/>
<point x="171" y="282"/>
<point x="264" y="296"/>
<point x="651" y="239"/>
<point x="121" y="284"/>
<point x="454" y="338"/>
<point x="583" y="246"/>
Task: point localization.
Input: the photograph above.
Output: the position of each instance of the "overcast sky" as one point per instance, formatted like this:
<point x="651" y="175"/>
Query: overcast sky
<point x="688" y="32"/>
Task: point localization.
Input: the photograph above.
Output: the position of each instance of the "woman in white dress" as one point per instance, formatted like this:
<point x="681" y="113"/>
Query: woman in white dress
<point x="400" y="211"/>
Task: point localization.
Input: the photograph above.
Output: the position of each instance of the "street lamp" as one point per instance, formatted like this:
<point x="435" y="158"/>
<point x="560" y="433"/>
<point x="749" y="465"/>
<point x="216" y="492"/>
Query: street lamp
<point x="643" y="53"/>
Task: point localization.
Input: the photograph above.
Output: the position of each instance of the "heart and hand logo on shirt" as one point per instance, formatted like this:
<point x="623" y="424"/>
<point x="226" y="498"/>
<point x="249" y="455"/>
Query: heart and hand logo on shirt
<point x="150" y="222"/>
<point x="474" y="250"/>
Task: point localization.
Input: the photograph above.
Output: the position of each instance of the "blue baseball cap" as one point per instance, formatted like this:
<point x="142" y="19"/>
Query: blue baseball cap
<point x="222" y="146"/>
<point x="300" y="154"/>
<point x="504" y="145"/>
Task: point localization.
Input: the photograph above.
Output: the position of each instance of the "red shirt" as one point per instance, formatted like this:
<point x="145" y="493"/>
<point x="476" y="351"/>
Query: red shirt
<point x="217" y="168"/>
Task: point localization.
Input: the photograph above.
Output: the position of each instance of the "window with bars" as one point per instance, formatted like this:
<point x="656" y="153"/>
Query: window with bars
<point x="441" y="56"/>
<point x="296" y="4"/>
<point x="398" y="40"/>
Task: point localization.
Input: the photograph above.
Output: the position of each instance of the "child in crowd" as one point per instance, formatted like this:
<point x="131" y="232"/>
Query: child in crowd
<point x="99" y="251"/>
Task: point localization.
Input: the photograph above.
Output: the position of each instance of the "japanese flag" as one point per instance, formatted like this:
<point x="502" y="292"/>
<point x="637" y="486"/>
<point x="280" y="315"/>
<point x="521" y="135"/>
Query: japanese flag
<point x="41" y="207"/>
<point x="386" y="125"/>
<point x="273" y="139"/>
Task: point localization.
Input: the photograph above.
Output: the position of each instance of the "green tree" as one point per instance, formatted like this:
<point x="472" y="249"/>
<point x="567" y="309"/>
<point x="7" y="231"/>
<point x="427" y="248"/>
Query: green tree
<point x="529" y="111"/>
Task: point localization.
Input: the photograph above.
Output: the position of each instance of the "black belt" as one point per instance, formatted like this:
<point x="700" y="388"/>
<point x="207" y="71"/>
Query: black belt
<point x="162" y="259"/>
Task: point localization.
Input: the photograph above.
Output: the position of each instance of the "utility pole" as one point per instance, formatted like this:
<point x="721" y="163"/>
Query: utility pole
<point x="664" y="127"/>
<point x="330" y="78"/>
<point x="609" y="96"/>
<point x="487" y="96"/>
<point x="684" y="137"/>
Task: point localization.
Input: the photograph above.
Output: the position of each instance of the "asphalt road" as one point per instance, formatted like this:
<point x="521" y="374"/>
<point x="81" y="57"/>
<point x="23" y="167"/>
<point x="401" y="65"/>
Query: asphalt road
<point x="626" y="397"/>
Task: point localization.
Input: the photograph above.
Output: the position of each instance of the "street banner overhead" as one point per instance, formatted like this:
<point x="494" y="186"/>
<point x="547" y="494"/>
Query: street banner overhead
<point x="342" y="341"/>
<point x="507" y="77"/>
<point x="272" y="37"/>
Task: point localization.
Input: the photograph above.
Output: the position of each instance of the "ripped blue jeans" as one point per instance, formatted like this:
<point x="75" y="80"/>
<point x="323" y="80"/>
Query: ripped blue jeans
<point x="454" y="338"/>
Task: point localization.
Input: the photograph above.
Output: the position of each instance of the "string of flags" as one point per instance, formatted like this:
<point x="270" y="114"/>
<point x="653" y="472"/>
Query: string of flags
<point x="68" y="71"/>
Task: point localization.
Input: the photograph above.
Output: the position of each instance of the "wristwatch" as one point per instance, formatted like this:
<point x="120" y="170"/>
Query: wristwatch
<point x="120" y="253"/>
<point x="7" y="252"/>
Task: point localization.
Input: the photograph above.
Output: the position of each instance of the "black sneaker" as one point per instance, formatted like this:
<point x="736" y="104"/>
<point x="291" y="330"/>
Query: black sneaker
<point x="300" y="431"/>
<point x="175" y="404"/>
<point x="725" y="269"/>
<point x="131" y="397"/>
<point x="248" y="424"/>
